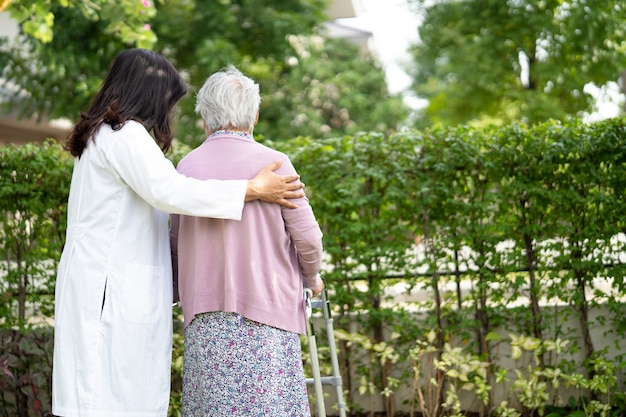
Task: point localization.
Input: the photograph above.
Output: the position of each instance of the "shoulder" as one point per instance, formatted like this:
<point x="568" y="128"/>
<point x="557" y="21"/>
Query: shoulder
<point x="130" y="129"/>
<point x="134" y="128"/>
<point x="272" y="152"/>
<point x="276" y="155"/>
<point x="264" y="155"/>
<point x="287" y="167"/>
<point x="195" y="156"/>
<point x="132" y="138"/>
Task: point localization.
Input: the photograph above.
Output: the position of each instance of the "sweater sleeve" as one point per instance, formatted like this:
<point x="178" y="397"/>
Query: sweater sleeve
<point x="306" y="235"/>
<point x="139" y="162"/>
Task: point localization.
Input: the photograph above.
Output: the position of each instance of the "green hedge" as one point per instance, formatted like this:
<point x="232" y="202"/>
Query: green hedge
<point x="514" y="234"/>
<point x="34" y="185"/>
<point x="501" y="228"/>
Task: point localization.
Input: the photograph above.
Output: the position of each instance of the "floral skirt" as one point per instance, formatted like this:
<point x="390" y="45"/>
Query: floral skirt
<point x="238" y="367"/>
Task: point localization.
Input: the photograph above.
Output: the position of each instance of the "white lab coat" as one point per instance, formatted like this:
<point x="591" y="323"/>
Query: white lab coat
<point x="113" y="321"/>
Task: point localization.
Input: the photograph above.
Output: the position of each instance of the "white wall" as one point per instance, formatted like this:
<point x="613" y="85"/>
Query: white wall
<point x="8" y="26"/>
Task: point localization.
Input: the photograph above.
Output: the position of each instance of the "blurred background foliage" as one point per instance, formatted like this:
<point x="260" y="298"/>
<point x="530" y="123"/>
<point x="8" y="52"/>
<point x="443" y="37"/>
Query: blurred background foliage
<point x="311" y="84"/>
<point x="477" y="62"/>
<point x="489" y="61"/>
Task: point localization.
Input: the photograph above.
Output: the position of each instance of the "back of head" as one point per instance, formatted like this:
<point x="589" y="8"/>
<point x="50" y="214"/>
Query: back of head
<point x="229" y="100"/>
<point x="141" y="85"/>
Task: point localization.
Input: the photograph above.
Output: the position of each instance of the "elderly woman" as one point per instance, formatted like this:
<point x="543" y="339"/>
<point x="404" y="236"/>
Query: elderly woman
<point x="241" y="282"/>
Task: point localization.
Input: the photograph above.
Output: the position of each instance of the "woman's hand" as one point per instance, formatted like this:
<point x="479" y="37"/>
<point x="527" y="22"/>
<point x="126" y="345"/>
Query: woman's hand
<point x="318" y="290"/>
<point x="273" y="188"/>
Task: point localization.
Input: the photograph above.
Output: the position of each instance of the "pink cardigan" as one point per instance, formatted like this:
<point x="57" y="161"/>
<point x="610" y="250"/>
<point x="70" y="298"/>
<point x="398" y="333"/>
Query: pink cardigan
<point x="255" y="267"/>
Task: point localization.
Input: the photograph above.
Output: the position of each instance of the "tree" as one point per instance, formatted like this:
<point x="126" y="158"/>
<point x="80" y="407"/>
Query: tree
<point x="63" y="50"/>
<point x="57" y="76"/>
<point x="329" y="88"/>
<point x="127" y="18"/>
<point x="284" y="49"/>
<point x="202" y="36"/>
<point x="500" y="61"/>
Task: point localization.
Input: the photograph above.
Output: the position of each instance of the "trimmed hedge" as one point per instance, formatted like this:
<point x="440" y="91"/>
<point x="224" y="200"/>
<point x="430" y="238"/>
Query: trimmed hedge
<point x="515" y="234"/>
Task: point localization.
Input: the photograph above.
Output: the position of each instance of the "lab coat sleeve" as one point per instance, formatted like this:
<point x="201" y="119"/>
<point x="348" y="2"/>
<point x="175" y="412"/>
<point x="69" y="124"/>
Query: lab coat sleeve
<point x="140" y="163"/>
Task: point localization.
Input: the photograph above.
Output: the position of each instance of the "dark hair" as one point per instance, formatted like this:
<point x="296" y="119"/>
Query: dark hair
<point x="141" y="85"/>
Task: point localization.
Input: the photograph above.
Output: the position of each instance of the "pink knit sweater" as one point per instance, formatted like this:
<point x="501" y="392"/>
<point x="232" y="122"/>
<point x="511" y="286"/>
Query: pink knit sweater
<point x="256" y="267"/>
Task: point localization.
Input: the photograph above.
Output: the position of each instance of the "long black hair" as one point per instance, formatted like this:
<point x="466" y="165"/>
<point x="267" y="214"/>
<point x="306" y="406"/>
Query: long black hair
<point x="141" y="85"/>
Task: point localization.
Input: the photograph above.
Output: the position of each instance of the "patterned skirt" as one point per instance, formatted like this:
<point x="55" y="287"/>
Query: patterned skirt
<point x="237" y="367"/>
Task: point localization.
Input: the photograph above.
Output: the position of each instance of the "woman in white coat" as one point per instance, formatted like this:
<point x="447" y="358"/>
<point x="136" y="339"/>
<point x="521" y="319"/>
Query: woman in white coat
<point x="113" y="321"/>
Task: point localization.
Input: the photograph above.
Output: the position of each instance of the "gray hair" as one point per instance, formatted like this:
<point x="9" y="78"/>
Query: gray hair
<point x="228" y="99"/>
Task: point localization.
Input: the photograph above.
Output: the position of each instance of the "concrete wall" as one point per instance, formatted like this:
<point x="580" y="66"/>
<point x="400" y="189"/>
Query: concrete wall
<point x="501" y="392"/>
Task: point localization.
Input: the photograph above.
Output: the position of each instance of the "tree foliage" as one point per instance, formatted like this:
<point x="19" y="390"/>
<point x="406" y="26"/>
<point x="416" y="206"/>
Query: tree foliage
<point x="57" y="78"/>
<point x="329" y="88"/>
<point x="525" y="60"/>
<point x="126" y="19"/>
<point x="55" y="65"/>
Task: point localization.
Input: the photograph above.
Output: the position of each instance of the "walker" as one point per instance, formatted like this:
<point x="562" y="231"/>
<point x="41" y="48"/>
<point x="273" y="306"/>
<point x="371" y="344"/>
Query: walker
<point x="317" y="381"/>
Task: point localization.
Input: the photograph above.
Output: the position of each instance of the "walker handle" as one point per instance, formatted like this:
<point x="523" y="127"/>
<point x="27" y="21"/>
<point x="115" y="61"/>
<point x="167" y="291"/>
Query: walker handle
<point x="308" y="294"/>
